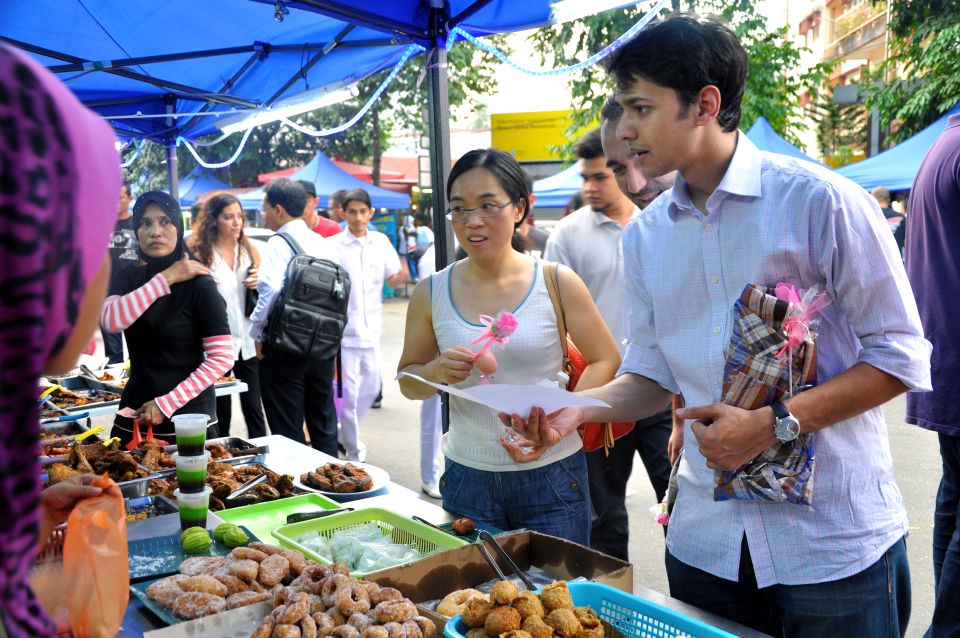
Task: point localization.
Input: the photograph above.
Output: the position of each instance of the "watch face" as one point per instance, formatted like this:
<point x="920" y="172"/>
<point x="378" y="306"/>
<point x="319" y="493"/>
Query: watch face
<point x="787" y="429"/>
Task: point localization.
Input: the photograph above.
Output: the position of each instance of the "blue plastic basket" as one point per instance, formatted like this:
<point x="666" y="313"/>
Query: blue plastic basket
<point x="634" y="617"/>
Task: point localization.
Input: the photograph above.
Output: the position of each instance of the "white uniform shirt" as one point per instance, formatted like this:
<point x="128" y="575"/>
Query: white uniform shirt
<point x="273" y="269"/>
<point x="234" y="293"/>
<point x="369" y="260"/>
<point x="590" y="244"/>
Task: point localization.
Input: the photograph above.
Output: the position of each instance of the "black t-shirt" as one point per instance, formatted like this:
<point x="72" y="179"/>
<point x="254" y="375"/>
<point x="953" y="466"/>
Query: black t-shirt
<point x="166" y="342"/>
<point x="123" y="247"/>
<point x="897" y="224"/>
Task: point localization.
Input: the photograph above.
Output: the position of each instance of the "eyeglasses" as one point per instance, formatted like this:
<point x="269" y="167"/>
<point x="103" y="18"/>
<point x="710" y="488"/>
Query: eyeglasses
<point x="264" y="209"/>
<point x="459" y="214"/>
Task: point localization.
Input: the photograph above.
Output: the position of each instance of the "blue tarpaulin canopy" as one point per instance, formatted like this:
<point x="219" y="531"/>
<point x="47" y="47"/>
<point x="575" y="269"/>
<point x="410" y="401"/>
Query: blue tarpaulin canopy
<point x="896" y="168"/>
<point x="328" y="177"/>
<point x="198" y="182"/>
<point x="767" y="139"/>
<point x="555" y="191"/>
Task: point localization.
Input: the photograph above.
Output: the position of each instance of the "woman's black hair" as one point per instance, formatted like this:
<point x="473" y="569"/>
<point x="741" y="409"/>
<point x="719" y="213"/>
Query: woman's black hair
<point x="508" y="172"/>
<point x="686" y="52"/>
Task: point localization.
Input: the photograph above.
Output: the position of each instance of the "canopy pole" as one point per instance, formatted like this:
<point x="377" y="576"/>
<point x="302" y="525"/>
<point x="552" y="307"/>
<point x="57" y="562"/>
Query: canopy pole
<point x="173" y="177"/>
<point x="439" y="125"/>
<point x="438" y="108"/>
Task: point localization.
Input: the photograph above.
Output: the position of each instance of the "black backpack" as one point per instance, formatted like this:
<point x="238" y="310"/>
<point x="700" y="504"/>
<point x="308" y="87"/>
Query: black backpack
<point x="310" y="314"/>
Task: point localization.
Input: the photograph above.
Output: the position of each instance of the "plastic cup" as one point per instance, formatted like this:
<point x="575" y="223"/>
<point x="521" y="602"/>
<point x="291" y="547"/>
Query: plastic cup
<point x="191" y="432"/>
<point x="193" y="508"/>
<point x="191" y="472"/>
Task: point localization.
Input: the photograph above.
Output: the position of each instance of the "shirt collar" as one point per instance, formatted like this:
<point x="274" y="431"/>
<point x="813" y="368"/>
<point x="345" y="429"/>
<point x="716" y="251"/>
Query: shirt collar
<point x="293" y="225"/>
<point x="599" y="219"/>
<point x="347" y="237"/>
<point x="742" y="177"/>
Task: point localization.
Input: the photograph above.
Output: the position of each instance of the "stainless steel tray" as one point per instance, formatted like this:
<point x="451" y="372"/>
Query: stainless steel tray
<point x="152" y="505"/>
<point x="64" y="429"/>
<point x="247" y="451"/>
<point x="130" y="489"/>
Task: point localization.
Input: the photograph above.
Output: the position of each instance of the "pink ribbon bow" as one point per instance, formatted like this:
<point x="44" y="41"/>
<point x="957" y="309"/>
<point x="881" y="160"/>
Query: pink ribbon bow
<point x="498" y="331"/>
<point x="796" y="327"/>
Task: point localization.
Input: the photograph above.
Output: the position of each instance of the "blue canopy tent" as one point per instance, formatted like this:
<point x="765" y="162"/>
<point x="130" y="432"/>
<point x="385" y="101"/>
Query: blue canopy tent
<point x="896" y="168"/>
<point x="158" y="70"/>
<point x="555" y="191"/>
<point x="767" y="139"/>
<point x="328" y="177"/>
<point x="198" y="182"/>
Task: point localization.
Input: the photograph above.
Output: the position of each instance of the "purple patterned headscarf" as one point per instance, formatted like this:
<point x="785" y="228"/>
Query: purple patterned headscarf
<point x="59" y="185"/>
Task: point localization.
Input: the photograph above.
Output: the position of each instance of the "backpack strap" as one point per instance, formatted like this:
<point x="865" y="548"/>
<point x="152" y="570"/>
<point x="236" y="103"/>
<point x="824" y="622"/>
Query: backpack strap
<point x="552" y="279"/>
<point x="294" y="246"/>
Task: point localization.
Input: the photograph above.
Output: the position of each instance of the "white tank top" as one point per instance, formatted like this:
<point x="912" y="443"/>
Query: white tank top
<point x="532" y="354"/>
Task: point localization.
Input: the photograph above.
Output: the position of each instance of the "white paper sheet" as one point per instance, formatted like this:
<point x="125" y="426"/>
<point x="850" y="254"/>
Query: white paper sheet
<point x="516" y="399"/>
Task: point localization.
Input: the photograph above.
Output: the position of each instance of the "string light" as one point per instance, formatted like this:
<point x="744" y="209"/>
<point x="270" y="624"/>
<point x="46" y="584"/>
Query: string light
<point x="593" y="59"/>
<point x="224" y="164"/>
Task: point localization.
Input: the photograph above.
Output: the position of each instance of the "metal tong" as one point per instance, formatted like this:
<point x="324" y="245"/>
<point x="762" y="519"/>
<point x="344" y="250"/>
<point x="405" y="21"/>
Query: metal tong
<point x="483" y="536"/>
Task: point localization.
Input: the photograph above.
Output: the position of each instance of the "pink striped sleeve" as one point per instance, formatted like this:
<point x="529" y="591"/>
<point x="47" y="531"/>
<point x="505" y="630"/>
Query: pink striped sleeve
<point x="217" y="359"/>
<point x="119" y="312"/>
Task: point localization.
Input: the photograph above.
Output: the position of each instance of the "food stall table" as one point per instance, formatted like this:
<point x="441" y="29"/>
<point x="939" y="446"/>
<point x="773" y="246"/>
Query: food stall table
<point x="111" y="407"/>
<point x="286" y="456"/>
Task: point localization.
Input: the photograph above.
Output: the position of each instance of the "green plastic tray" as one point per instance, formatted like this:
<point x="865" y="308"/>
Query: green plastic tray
<point x="263" y="518"/>
<point x="402" y="530"/>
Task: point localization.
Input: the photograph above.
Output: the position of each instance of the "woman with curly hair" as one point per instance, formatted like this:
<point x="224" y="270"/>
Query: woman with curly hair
<point x="220" y="245"/>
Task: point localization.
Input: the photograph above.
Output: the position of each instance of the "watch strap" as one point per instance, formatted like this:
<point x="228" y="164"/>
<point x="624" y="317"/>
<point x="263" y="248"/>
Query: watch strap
<point x="780" y="410"/>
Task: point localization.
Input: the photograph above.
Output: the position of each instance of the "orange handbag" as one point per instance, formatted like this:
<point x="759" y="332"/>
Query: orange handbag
<point x="594" y="435"/>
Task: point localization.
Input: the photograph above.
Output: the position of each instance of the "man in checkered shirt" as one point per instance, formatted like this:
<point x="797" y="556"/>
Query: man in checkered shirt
<point x="738" y="216"/>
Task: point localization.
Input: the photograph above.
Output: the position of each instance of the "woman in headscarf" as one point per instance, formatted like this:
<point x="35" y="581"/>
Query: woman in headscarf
<point x="59" y="182"/>
<point x="175" y="324"/>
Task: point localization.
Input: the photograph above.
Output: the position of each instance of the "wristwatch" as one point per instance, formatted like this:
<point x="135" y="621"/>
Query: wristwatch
<point x="786" y="427"/>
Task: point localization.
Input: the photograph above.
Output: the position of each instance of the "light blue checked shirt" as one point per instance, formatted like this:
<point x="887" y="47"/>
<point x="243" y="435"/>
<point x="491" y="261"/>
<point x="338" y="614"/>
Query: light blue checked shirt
<point x="772" y="219"/>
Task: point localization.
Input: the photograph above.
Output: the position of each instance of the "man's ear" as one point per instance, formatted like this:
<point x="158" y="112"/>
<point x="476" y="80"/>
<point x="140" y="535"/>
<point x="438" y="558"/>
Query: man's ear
<point x="707" y="105"/>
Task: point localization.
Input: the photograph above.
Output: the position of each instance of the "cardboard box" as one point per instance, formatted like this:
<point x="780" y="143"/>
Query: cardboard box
<point x="436" y="576"/>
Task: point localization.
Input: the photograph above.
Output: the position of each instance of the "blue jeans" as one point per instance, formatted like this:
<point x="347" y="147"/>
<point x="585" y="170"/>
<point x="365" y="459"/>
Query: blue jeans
<point x="946" y="543"/>
<point x="553" y="499"/>
<point x="872" y="604"/>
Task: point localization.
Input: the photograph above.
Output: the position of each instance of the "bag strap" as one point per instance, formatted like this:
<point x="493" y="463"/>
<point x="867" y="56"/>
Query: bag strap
<point x="552" y="279"/>
<point x="294" y="246"/>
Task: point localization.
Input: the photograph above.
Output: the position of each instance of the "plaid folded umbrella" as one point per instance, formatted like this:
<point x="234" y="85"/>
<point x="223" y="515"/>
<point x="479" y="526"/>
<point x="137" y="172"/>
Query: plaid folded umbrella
<point x="755" y="375"/>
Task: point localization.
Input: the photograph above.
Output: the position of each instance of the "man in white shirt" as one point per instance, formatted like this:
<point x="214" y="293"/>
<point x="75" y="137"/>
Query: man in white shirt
<point x="292" y="389"/>
<point x="588" y="241"/>
<point x="370" y="259"/>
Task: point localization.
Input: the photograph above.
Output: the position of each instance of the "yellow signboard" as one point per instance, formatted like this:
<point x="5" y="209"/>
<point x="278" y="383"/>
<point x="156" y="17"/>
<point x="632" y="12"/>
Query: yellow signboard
<point x="530" y="136"/>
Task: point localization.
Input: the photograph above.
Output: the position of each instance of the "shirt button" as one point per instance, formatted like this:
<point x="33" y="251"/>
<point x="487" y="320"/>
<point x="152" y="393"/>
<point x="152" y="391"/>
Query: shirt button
<point x="716" y="330"/>
<point x="714" y="279"/>
<point x="708" y="226"/>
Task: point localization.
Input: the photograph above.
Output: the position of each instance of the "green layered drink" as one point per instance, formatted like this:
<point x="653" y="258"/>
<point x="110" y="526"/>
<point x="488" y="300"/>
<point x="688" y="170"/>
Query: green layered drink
<point x="191" y="472"/>
<point x="193" y="508"/>
<point x="191" y="432"/>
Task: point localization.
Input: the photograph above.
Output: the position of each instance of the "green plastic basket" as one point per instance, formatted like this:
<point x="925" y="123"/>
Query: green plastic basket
<point x="263" y="518"/>
<point x="401" y="530"/>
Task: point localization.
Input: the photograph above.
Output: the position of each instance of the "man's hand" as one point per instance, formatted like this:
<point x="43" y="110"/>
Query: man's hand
<point x="150" y="414"/>
<point x="184" y="270"/>
<point x="728" y="436"/>
<point x="258" y="346"/>
<point x="541" y="429"/>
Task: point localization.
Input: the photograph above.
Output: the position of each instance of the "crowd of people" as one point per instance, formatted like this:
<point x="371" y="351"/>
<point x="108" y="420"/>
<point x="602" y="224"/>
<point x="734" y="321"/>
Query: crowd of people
<point x="680" y="212"/>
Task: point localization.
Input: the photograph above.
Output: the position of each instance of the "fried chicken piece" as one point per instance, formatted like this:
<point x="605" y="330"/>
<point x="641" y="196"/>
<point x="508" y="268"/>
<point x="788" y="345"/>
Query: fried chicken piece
<point x="218" y="451"/>
<point x="58" y="472"/>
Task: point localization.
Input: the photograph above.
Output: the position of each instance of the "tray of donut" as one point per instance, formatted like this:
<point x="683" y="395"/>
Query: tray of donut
<point x="264" y="591"/>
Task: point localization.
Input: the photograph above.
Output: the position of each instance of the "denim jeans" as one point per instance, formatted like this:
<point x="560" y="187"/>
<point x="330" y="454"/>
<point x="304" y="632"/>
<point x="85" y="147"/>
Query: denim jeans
<point x="553" y="499"/>
<point x="872" y="604"/>
<point x="946" y="543"/>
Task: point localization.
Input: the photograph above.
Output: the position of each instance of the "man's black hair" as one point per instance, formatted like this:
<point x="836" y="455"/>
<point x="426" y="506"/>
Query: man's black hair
<point x="685" y="53"/>
<point x="287" y="193"/>
<point x="337" y="196"/>
<point x="589" y="146"/>
<point x="125" y="185"/>
<point x="356" y="194"/>
<point x="611" y="111"/>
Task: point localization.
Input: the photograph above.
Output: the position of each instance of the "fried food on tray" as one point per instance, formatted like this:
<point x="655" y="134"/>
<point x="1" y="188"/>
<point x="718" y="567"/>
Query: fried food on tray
<point x="342" y="479"/>
<point x="535" y="626"/>
<point x="528" y="605"/>
<point x="463" y="526"/>
<point x="57" y="472"/>
<point x="502" y="620"/>
<point x="564" y="623"/>
<point x="475" y="612"/>
<point x="556" y="596"/>
<point x="151" y="455"/>
<point x="224" y="478"/>
<point x="197" y="604"/>
<point x="504" y="592"/>
<point x="454" y="602"/>
<point x="97" y="459"/>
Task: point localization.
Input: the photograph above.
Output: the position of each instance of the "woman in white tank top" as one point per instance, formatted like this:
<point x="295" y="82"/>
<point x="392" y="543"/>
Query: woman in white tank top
<point x="487" y="478"/>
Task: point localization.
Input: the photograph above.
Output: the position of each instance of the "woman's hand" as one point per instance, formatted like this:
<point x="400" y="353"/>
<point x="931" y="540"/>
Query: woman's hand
<point x="150" y="414"/>
<point x="184" y="270"/>
<point x="452" y="366"/>
<point x="57" y="501"/>
<point x="252" y="278"/>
